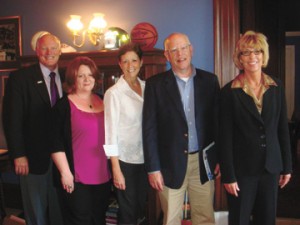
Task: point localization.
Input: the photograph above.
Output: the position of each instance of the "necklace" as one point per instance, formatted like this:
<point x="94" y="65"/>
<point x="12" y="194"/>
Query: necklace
<point x="90" y="105"/>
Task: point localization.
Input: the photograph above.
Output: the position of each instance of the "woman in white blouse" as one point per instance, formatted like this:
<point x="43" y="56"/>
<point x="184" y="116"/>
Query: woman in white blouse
<point x="123" y="104"/>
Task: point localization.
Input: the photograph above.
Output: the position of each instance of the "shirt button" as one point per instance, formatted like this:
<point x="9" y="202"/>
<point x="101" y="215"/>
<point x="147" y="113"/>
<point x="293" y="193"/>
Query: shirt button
<point x="263" y="145"/>
<point x="262" y="136"/>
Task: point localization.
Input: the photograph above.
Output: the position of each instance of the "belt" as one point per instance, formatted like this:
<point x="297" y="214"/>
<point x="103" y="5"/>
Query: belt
<point x="195" y="152"/>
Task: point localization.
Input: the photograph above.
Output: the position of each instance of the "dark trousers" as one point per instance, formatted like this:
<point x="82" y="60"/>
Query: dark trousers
<point x="40" y="200"/>
<point x="257" y="199"/>
<point x="132" y="200"/>
<point x="2" y="205"/>
<point x="86" y="205"/>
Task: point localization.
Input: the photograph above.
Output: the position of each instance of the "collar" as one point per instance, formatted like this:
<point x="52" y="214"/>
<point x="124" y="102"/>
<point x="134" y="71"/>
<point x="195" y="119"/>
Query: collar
<point x="122" y="84"/>
<point x="192" y="75"/>
<point x="239" y="82"/>
<point x="46" y="71"/>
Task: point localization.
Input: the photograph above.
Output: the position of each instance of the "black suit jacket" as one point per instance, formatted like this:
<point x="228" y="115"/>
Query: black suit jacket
<point x="251" y="142"/>
<point x="26" y="117"/>
<point x="165" y="130"/>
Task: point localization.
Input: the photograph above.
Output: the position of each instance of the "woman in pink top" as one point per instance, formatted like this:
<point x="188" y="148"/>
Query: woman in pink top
<point x="81" y="171"/>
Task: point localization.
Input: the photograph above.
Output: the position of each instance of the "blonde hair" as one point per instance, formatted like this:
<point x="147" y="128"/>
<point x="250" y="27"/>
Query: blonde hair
<point x="251" y="39"/>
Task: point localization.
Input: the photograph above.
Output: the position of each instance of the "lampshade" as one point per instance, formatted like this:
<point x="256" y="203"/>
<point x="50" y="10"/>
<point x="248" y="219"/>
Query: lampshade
<point x="95" y="31"/>
<point x="98" y="23"/>
<point x="75" y="24"/>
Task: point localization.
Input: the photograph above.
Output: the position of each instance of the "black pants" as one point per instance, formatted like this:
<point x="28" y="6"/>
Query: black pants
<point x="257" y="199"/>
<point x="87" y="205"/>
<point x="2" y="206"/>
<point x="132" y="200"/>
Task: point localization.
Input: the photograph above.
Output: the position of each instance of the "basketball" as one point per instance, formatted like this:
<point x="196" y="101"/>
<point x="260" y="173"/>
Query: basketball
<point x="144" y="34"/>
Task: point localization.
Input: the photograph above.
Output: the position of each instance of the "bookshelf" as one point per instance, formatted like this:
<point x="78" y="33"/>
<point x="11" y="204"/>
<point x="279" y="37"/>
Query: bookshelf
<point x="107" y="61"/>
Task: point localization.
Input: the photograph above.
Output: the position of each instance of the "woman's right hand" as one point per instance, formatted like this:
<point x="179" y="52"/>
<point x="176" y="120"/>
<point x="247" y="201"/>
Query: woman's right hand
<point x="232" y="188"/>
<point x="67" y="181"/>
<point x="119" y="180"/>
<point x="21" y="165"/>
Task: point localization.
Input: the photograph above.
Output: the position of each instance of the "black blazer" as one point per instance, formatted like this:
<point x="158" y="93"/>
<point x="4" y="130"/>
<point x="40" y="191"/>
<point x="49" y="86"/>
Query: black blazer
<point x="165" y="130"/>
<point x="26" y="117"/>
<point x="250" y="142"/>
<point x="61" y="135"/>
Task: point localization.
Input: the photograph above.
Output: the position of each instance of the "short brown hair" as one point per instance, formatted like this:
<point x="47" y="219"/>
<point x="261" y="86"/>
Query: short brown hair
<point x="72" y="72"/>
<point x="130" y="47"/>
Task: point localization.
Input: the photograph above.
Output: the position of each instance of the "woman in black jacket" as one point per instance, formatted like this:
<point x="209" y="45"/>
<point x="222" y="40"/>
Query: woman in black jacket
<point x="255" y="155"/>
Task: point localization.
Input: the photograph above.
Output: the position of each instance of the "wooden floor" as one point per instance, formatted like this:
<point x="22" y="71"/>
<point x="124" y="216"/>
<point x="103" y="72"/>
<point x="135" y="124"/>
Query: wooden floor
<point x="288" y="202"/>
<point x="221" y="219"/>
<point x="287" y="221"/>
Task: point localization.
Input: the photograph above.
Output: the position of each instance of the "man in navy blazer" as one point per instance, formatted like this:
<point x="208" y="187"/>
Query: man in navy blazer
<point x="26" y="119"/>
<point x="179" y="121"/>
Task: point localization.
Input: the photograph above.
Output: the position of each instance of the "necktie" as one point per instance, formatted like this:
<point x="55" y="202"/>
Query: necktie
<point x="53" y="89"/>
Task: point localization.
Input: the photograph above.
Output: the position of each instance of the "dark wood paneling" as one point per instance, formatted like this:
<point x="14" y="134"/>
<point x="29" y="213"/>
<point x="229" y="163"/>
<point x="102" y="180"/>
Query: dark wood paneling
<point x="154" y="62"/>
<point x="265" y="16"/>
<point x="226" y="33"/>
<point x="291" y="14"/>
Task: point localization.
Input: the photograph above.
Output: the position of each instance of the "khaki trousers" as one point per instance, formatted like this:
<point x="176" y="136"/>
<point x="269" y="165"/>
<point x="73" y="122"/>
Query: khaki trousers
<point x="200" y="197"/>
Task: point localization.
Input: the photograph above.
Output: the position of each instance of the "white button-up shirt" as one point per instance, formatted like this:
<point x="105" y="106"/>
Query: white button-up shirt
<point x="123" y="122"/>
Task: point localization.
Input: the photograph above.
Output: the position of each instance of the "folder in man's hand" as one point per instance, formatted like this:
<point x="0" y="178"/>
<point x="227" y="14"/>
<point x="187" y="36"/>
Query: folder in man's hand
<point x="210" y="159"/>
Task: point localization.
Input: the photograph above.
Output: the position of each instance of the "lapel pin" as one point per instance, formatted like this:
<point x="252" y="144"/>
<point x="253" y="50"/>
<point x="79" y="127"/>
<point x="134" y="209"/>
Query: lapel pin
<point x="40" y="82"/>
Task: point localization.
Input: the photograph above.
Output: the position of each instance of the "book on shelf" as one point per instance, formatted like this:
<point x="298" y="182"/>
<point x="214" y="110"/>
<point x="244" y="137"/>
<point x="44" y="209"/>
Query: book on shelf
<point x="112" y="213"/>
<point x="186" y="209"/>
<point x="111" y="220"/>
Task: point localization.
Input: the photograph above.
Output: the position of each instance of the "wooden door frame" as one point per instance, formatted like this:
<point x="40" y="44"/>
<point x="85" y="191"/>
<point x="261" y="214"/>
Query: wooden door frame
<point x="226" y="33"/>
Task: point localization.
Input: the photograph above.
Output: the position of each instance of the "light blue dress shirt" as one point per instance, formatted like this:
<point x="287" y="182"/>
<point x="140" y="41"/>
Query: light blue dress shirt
<point x="47" y="79"/>
<point x="186" y="89"/>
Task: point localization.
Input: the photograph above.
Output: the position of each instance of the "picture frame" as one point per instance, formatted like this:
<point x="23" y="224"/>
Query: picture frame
<point x="3" y="83"/>
<point x="4" y="74"/>
<point x="10" y="42"/>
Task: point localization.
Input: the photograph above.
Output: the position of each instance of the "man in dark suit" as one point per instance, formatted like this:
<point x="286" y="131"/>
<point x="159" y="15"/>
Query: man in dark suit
<point x="26" y="119"/>
<point x="179" y="121"/>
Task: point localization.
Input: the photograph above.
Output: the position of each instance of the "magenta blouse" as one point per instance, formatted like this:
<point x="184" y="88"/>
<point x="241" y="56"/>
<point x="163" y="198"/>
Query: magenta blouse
<point x="90" y="161"/>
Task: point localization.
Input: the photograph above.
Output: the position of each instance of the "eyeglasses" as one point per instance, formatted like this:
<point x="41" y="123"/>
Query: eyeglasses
<point x="248" y="52"/>
<point x="177" y="49"/>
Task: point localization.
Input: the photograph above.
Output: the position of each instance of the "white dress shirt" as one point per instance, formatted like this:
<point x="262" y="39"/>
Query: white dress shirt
<point x="123" y="122"/>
